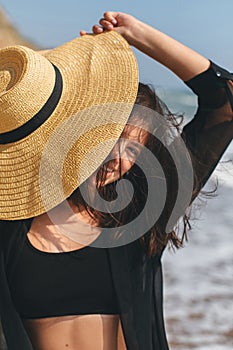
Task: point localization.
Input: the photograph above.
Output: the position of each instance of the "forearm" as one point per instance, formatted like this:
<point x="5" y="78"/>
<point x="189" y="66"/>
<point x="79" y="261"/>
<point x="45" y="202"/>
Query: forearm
<point x="180" y="59"/>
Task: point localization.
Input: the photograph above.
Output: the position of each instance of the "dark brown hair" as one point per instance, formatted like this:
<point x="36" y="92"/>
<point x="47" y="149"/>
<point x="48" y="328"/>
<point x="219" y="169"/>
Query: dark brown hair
<point x="155" y="239"/>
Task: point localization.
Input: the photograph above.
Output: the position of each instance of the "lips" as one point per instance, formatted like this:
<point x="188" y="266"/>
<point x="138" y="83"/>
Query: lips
<point x="109" y="172"/>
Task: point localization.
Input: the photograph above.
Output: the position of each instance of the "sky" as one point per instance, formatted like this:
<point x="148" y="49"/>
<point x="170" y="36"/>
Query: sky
<point x="204" y="25"/>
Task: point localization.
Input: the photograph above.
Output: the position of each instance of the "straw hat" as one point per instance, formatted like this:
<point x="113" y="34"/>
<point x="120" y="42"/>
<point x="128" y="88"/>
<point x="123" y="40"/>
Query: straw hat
<point x="61" y="112"/>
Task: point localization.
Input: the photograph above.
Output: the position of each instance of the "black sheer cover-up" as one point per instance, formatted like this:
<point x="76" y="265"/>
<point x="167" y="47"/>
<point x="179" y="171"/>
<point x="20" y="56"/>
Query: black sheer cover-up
<point x="137" y="277"/>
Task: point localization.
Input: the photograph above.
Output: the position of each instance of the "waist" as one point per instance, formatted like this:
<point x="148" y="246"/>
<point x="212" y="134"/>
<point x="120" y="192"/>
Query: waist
<point x="86" y="332"/>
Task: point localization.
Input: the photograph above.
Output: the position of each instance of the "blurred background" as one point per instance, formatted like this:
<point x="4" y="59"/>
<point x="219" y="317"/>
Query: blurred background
<point x="198" y="278"/>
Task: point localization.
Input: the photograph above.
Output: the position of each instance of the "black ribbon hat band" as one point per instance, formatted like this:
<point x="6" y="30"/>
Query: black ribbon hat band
<point x="39" y="118"/>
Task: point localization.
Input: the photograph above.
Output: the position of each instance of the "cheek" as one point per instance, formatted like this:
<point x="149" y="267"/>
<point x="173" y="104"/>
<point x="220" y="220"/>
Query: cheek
<point x="126" y="165"/>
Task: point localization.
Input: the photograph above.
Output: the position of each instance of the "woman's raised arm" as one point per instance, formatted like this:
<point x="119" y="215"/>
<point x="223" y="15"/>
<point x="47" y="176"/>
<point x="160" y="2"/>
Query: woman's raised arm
<point x="180" y="59"/>
<point x="210" y="132"/>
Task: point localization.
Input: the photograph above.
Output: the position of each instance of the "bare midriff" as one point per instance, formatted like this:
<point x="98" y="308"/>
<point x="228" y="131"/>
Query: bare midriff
<point x="82" y="332"/>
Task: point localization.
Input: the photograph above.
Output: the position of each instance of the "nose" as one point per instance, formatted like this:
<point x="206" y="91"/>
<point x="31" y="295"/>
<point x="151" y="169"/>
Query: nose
<point x="113" y="162"/>
<point x="114" y="156"/>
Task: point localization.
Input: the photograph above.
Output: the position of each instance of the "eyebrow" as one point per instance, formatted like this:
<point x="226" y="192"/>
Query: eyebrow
<point x="138" y="139"/>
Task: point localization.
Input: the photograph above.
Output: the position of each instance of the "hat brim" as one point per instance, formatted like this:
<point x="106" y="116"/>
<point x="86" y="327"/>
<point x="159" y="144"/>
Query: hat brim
<point x="100" y="83"/>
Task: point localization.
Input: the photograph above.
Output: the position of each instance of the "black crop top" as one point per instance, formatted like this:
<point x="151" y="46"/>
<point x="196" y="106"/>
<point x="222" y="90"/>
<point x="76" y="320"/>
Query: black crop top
<point x="57" y="284"/>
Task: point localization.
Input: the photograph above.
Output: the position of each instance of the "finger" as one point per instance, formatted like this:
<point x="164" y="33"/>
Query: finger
<point x="97" y="29"/>
<point x="106" y="24"/>
<point x="82" y="32"/>
<point x="111" y="17"/>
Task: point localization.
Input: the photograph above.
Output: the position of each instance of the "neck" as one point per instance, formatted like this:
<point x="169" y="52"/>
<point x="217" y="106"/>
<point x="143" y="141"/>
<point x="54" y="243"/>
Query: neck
<point x="66" y="219"/>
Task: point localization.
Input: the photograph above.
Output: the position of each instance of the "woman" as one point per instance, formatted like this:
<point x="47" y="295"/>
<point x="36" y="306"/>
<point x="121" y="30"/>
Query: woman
<point x="57" y="291"/>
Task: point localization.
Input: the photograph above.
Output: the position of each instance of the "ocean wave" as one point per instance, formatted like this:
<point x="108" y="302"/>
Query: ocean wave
<point x="224" y="170"/>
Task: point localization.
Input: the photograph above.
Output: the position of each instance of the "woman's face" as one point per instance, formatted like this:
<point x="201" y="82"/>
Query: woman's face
<point x="124" y="154"/>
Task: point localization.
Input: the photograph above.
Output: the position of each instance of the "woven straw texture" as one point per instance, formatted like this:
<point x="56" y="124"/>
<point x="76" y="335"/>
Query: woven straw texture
<point x="100" y="83"/>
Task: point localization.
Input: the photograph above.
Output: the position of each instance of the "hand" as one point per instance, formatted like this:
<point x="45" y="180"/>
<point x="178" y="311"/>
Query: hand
<point x="122" y="23"/>
<point x="180" y="59"/>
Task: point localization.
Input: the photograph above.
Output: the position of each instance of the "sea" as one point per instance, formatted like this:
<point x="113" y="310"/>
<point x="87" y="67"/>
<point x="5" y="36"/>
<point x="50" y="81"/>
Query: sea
<point x="198" y="278"/>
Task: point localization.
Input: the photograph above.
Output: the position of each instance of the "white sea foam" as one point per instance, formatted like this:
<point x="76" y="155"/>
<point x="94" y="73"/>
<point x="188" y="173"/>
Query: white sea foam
<point x="199" y="278"/>
<point x="224" y="170"/>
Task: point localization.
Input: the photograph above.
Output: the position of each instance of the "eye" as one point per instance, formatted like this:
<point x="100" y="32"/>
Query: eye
<point x="133" y="151"/>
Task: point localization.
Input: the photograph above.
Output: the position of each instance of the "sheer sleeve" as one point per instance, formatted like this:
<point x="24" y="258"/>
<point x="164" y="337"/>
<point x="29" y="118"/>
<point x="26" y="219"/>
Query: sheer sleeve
<point x="210" y="132"/>
<point x="12" y="326"/>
